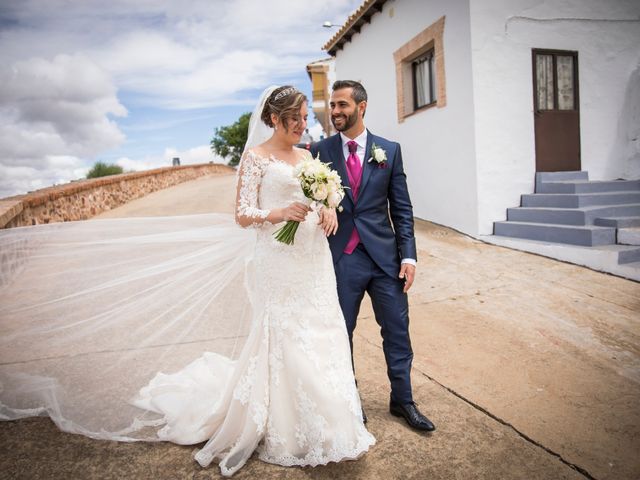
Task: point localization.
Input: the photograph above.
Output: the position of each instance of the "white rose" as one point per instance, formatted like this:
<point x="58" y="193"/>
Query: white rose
<point x="334" y="199"/>
<point x="320" y="193"/>
<point x="379" y="155"/>
<point x="309" y="168"/>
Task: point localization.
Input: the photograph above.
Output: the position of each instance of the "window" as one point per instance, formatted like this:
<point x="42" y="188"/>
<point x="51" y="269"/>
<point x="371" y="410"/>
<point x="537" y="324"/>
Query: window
<point x="424" y="79"/>
<point x="555" y="80"/>
<point x="420" y="81"/>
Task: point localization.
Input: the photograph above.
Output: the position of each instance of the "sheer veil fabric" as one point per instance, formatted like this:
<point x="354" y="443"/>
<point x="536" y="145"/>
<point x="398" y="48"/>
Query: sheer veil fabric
<point x="90" y="311"/>
<point x="187" y="329"/>
<point x="259" y="132"/>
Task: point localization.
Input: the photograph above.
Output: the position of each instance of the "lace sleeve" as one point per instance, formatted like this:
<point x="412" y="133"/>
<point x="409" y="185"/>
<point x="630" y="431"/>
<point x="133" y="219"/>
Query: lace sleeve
<point x="248" y="212"/>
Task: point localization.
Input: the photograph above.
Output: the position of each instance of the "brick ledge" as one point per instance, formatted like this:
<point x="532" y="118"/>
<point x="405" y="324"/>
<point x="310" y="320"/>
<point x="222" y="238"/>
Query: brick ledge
<point x="83" y="199"/>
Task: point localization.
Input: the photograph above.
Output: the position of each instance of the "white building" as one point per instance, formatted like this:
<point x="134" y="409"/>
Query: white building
<point x="482" y="94"/>
<point x="322" y="75"/>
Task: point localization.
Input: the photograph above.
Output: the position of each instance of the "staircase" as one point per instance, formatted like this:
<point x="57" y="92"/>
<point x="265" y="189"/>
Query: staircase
<point x="567" y="208"/>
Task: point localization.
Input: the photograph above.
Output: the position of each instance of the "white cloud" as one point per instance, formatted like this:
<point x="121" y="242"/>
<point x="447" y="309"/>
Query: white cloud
<point x="200" y="154"/>
<point x="213" y="82"/>
<point x="19" y="179"/>
<point x="178" y="54"/>
<point x="146" y="52"/>
<point x="63" y="65"/>
<point x="195" y="155"/>
<point x="53" y="113"/>
<point x="146" y="163"/>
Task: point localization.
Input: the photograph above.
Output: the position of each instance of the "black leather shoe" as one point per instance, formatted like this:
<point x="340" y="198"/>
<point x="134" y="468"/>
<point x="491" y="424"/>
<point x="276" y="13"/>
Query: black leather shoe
<point x="410" y="412"/>
<point x="364" y="416"/>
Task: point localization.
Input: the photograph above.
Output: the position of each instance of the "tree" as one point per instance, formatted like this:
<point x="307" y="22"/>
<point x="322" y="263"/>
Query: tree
<point x="229" y="141"/>
<point x="101" y="169"/>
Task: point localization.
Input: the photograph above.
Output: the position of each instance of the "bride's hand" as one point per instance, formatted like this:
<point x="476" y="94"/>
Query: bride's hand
<point x="295" y="211"/>
<point x="328" y="220"/>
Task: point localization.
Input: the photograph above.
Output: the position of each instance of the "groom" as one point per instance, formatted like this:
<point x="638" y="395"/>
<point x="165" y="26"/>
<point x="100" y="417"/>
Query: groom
<point x="374" y="248"/>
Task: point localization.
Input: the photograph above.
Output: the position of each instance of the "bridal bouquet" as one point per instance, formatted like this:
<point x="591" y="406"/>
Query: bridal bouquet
<point x="321" y="185"/>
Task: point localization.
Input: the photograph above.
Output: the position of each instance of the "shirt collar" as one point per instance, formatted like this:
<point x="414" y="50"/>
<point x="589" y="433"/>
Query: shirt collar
<point x="361" y="139"/>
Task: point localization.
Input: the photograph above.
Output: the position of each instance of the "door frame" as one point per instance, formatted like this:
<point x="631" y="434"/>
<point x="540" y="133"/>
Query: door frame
<point x="576" y="89"/>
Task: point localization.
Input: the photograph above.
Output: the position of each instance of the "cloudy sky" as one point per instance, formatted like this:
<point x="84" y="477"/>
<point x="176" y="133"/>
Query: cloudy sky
<point x="137" y="82"/>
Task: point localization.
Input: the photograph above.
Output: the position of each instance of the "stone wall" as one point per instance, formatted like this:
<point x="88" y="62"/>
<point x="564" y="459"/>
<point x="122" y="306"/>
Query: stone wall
<point x="83" y="199"/>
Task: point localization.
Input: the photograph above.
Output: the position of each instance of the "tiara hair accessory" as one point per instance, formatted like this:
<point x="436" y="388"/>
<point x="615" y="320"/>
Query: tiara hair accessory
<point x="284" y="93"/>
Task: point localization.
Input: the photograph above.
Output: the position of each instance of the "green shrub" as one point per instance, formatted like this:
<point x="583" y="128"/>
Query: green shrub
<point x="101" y="169"/>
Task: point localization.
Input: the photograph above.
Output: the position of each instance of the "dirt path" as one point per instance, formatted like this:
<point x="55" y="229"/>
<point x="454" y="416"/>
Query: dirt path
<point x="529" y="367"/>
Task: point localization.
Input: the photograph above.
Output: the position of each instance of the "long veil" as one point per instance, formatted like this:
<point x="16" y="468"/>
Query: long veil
<point x="91" y="311"/>
<point x="259" y="132"/>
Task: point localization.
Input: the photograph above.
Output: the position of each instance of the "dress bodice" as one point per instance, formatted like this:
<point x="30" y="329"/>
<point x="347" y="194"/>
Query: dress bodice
<point x="279" y="186"/>
<point x="264" y="183"/>
<point x="267" y="183"/>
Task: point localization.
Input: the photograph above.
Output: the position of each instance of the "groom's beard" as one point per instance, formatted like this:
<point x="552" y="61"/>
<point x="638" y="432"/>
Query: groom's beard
<point x="349" y="121"/>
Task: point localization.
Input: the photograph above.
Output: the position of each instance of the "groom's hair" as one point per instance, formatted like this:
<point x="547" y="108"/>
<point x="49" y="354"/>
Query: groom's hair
<point x="359" y="94"/>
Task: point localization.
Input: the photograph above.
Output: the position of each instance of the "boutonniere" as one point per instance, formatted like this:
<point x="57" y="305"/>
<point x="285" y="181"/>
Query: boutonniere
<point x="379" y="156"/>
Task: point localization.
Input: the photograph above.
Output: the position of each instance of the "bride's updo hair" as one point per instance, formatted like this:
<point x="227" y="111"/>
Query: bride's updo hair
<point x="285" y="102"/>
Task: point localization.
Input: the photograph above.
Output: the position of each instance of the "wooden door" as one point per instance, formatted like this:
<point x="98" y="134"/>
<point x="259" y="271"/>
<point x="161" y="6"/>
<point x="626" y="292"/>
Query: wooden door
<point x="556" y="110"/>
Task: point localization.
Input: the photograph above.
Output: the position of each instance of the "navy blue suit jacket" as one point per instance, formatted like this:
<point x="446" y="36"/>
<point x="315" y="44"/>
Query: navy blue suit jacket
<point x="383" y="213"/>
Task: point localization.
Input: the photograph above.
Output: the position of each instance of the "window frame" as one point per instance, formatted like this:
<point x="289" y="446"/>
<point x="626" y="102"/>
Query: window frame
<point x="429" y="40"/>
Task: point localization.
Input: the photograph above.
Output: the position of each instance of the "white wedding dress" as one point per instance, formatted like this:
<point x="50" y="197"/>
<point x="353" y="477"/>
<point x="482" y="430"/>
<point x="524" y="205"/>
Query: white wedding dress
<point x="292" y="389"/>
<point x="184" y="329"/>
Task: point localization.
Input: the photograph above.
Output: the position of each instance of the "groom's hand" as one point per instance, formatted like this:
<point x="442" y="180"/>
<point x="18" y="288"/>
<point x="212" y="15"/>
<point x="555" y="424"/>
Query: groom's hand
<point x="408" y="273"/>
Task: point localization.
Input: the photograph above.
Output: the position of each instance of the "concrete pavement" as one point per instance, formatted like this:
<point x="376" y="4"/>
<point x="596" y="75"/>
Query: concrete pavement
<point x="529" y="367"/>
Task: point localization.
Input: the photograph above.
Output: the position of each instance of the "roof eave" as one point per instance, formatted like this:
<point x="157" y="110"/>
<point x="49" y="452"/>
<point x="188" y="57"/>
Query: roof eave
<point x="353" y="25"/>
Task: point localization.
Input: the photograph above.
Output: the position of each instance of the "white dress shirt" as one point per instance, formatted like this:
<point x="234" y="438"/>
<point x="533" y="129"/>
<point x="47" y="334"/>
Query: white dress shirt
<point x="361" y="140"/>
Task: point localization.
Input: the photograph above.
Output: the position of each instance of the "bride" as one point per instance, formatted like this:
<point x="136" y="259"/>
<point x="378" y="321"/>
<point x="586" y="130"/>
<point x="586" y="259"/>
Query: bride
<point x="190" y="329"/>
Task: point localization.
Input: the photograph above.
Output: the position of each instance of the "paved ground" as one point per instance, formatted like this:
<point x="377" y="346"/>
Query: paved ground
<point x="530" y="368"/>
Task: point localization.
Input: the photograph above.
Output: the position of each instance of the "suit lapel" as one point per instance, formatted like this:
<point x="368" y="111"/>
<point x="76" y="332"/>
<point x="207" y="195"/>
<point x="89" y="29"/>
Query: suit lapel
<point x="339" y="163"/>
<point x="367" y="166"/>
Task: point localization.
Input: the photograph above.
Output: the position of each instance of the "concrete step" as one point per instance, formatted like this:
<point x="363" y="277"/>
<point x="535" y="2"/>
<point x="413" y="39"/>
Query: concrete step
<point x="573" y="216"/>
<point x="629" y="236"/>
<point x="558" y="216"/>
<point x="542" y="177"/>
<point x="635" y="265"/>
<point x="624" y="253"/>
<point x="629" y="256"/>
<point x="618" y="222"/>
<point x="575" y="200"/>
<point x="586" y="186"/>
<point x="604" y="258"/>
<point x="569" y="234"/>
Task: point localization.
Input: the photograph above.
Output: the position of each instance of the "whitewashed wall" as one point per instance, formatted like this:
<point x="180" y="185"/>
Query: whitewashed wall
<point x="437" y="143"/>
<point x="503" y="33"/>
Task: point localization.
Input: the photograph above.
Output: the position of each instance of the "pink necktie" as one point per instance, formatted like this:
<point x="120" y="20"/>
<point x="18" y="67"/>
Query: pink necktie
<point x="354" y="170"/>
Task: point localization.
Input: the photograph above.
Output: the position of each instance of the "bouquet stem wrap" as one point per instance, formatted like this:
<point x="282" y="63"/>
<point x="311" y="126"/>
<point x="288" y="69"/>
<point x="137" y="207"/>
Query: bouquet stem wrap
<point x="287" y="233"/>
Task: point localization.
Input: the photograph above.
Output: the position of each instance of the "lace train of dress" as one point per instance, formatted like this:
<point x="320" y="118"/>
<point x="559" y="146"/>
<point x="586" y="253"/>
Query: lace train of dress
<point x="251" y="329"/>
